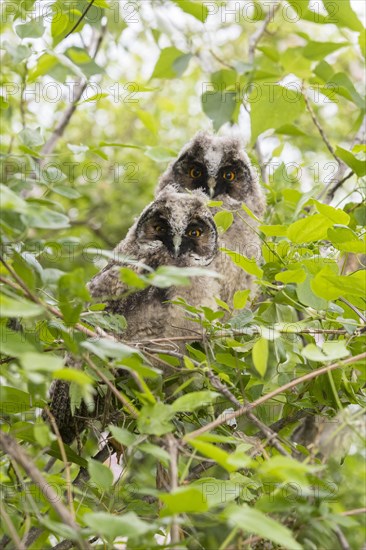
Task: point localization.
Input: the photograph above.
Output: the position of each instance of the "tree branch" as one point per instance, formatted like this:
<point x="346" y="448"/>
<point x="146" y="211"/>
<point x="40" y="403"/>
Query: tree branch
<point x="321" y="130"/>
<point x="15" y="451"/>
<point x="66" y="117"/>
<point x="360" y="137"/>
<point x="309" y="376"/>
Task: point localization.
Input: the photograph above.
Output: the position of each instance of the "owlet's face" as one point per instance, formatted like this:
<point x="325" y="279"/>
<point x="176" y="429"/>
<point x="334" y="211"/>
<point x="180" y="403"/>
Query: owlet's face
<point x="216" y="165"/>
<point x="179" y="229"/>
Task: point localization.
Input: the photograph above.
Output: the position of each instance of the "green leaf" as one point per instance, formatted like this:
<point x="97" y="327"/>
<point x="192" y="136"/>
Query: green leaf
<point x="240" y="298"/>
<point x="195" y="400"/>
<point x="123" y="436"/>
<point x="312" y="228"/>
<point x="330" y="351"/>
<point x="160" y="154"/>
<point x="32" y="29"/>
<point x="124" y="525"/>
<point x="41" y="217"/>
<point x="275" y="107"/>
<point x="336" y="215"/>
<point x="274" y="230"/>
<point x="168" y="64"/>
<point x="100" y="475"/>
<point x="291" y="276"/>
<point x="245" y="263"/>
<point x="65" y="191"/>
<point x="10" y="307"/>
<point x="219" y="107"/>
<point x="14" y="343"/>
<point x="155" y="419"/>
<point x="347" y="240"/>
<point x="223" y="220"/>
<point x="253" y="521"/>
<point x="105" y="348"/>
<point x="341" y="84"/>
<point x="14" y="401"/>
<point x="260" y="356"/>
<point x="331" y="287"/>
<point x="73" y="375"/>
<point x="31" y="137"/>
<point x="82" y="59"/>
<point x="344" y="14"/>
<point x="215" y="453"/>
<point x="319" y="50"/>
<point x="10" y="200"/>
<point x="40" y="361"/>
<point x="183" y="500"/>
<point x="198" y="9"/>
<point x="169" y="275"/>
<point x="358" y="166"/>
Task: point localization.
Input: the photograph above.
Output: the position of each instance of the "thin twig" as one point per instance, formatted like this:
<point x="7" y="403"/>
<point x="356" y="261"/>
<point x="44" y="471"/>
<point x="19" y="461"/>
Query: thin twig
<point x="354" y="308"/>
<point x="66" y="117"/>
<point x="125" y="402"/>
<point x="173" y="451"/>
<point x="271" y="435"/>
<point x="12" y="531"/>
<point x="354" y="512"/>
<point x="83" y="15"/>
<point x="64" y="458"/>
<point x="309" y="376"/>
<point x="15" y="451"/>
<point x="341" y="178"/>
<point x="257" y="35"/>
<point x="53" y="310"/>
<point x="320" y="129"/>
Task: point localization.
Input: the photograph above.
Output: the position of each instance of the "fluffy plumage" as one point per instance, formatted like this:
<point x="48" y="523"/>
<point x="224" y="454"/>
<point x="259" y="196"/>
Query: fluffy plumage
<point x="176" y="230"/>
<point x="220" y="168"/>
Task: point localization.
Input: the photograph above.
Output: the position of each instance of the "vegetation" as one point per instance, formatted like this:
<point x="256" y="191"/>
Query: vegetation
<point x="257" y="441"/>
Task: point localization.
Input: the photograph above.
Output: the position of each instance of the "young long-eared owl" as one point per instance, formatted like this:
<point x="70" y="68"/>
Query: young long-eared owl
<point x="221" y="169"/>
<point x="175" y="230"/>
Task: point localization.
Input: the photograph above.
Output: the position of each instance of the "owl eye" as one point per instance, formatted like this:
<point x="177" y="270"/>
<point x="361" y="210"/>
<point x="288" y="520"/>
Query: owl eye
<point x="229" y="175"/>
<point x="159" y="229"/>
<point x="195" y="173"/>
<point x="194" y="232"/>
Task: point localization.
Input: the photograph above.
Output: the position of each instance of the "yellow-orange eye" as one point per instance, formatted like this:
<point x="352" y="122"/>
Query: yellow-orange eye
<point x="229" y="175"/>
<point x="194" y="232"/>
<point x="195" y="173"/>
<point x="159" y="228"/>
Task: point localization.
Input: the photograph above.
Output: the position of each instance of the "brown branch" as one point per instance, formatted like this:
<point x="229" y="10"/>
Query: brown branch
<point x="61" y="446"/>
<point x="339" y="182"/>
<point x="321" y="130"/>
<point x="12" y="531"/>
<point x="173" y="451"/>
<point x="354" y="512"/>
<point x="66" y="117"/>
<point x="257" y="35"/>
<point x="15" y="451"/>
<point x="309" y="376"/>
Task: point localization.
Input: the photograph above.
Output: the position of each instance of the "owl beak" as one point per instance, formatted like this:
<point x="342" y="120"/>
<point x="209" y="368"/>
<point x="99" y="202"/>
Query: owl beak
<point x="177" y="241"/>
<point x="211" y="186"/>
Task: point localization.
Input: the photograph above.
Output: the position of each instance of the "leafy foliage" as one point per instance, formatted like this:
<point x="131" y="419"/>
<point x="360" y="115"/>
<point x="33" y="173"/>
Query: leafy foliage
<point x="97" y="98"/>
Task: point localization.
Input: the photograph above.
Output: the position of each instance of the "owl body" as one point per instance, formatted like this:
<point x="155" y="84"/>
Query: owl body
<point x="175" y="230"/>
<point x="222" y="170"/>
